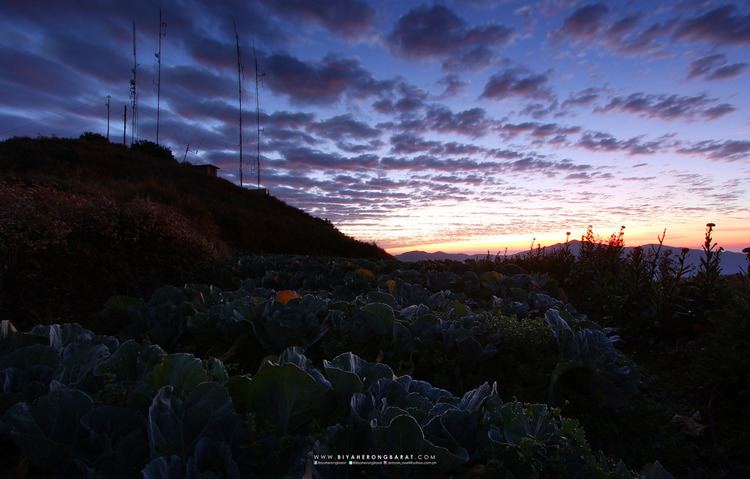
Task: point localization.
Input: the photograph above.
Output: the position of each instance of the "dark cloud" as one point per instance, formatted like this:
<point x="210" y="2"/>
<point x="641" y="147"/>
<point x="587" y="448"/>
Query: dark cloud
<point x="349" y="18"/>
<point x="411" y="98"/>
<point x="623" y="27"/>
<point x="581" y="176"/>
<point x="198" y="83"/>
<point x="599" y="141"/>
<point x="624" y="36"/>
<point x="35" y="73"/>
<point x="452" y="85"/>
<point x="722" y="25"/>
<point x="728" y="150"/>
<point x="437" y="32"/>
<point x="584" y="97"/>
<point x="542" y="110"/>
<point x="472" y="122"/>
<point x="458" y="149"/>
<point x="536" y="130"/>
<point x="304" y="157"/>
<point x="669" y="107"/>
<point x="325" y="82"/>
<point x="585" y="22"/>
<point x="648" y="41"/>
<point x="517" y="82"/>
<point x="714" y="67"/>
<point x="638" y="178"/>
<point x="370" y="146"/>
<point x="409" y="143"/>
<point x="286" y="119"/>
<point x="212" y="53"/>
<point x="344" y="127"/>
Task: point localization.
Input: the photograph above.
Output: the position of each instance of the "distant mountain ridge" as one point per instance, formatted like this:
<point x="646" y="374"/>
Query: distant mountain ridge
<point x="731" y="262"/>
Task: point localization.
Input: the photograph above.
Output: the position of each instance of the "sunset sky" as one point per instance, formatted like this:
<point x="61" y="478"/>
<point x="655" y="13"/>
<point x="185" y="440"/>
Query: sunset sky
<point x="464" y="125"/>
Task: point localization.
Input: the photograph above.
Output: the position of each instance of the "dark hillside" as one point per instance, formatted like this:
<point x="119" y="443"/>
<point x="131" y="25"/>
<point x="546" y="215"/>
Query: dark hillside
<point x="82" y="219"/>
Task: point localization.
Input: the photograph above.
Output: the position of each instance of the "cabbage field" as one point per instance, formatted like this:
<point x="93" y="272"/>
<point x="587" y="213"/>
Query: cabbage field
<point x="310" y="360"/>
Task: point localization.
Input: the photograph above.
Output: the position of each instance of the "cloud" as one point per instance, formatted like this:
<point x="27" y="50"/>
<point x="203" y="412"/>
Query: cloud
<point x="728" y="150"/>
<point x="584" y="97"/>
<point x="325" y="82"/>
<point x="348" y="18"/>
<point x="517" y="82"/>
<point x="668" y="107"/>
<point x="604" y="142"/>
<point x="714" y="67"/>
<point x="409" y="143"/>
<point x="536" y="130"/>
<point x="628" y="41"/>
<point x="199" y="83"/>
<point x="437" y="32"/>
<point x="344" y="127"/>
<point x="472" y="122"/>
<point x="305" y="157"/>
<point x="588" y="25"/>
<point x="452" y="85"/>
<point x="722" y="25"/>
<point x="585" y="22"/>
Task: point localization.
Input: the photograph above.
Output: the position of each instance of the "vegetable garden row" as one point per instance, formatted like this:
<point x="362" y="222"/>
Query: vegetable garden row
<point x="311" y="357"/>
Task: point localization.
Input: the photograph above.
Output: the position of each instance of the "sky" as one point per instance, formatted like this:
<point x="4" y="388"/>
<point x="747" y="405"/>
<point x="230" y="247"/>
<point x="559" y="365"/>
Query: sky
<point x="457" y="125"/>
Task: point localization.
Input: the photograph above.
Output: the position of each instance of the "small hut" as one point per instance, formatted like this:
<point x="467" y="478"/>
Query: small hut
<point x="209" y="169"/>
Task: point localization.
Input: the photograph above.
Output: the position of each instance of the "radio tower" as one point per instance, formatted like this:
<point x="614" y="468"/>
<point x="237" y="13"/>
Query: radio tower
<point x="258" y="77"/>
<point x="133" y="95"/>
<point x="108" y="98"/>
<point x="125" y="126"/>
<point x="162" y="33"/>
<point x="239" y="87"/>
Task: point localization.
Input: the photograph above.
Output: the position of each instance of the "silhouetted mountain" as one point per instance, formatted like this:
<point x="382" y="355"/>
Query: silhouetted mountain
<point x="731" y="262"/>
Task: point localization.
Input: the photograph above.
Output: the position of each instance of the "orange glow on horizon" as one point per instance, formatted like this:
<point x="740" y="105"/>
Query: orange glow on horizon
<point x="730" y="238"/>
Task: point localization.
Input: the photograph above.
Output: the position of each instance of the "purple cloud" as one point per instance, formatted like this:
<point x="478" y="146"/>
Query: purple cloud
<point x="344" y="127"/>
<point x="722" y="25"/>
<point x="585" y="22"/>
<point x="452" y="85"/>
<point x="668" y="107"/>
<point x="409" y="143"/>
<point x="584" y="97"/>
<point x="325" y="82"/>
<point x="348" y="18"/>
<point x="436" y="31"/>
<point x="599" y="141"/>
<point x="517" y="82"/>
<point x="714" y="67"/>
<point x="728" y="150"/>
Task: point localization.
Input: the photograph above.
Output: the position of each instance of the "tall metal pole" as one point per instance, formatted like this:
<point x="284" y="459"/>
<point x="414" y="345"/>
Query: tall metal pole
<point x="239" y="87"/>
<point x="162" y="33"/>
<point x="133" y="94"/>
<point x="258" y="75"/>
<point x="125" y="126"/>
<point x="108" y="98"/>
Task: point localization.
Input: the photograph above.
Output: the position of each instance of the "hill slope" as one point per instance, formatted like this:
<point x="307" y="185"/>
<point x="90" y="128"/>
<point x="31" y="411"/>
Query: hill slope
<point x="82" y="219"/>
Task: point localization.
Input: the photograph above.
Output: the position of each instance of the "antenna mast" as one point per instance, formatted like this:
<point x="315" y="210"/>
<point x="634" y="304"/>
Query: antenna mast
<point x="162" y="33"/>
<point x="133" y="95"/>
<point x="239" y="88"/>
<point x="258" y="77"/>
<point x="108" y="98"/>
<point x="125" y="126"/>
